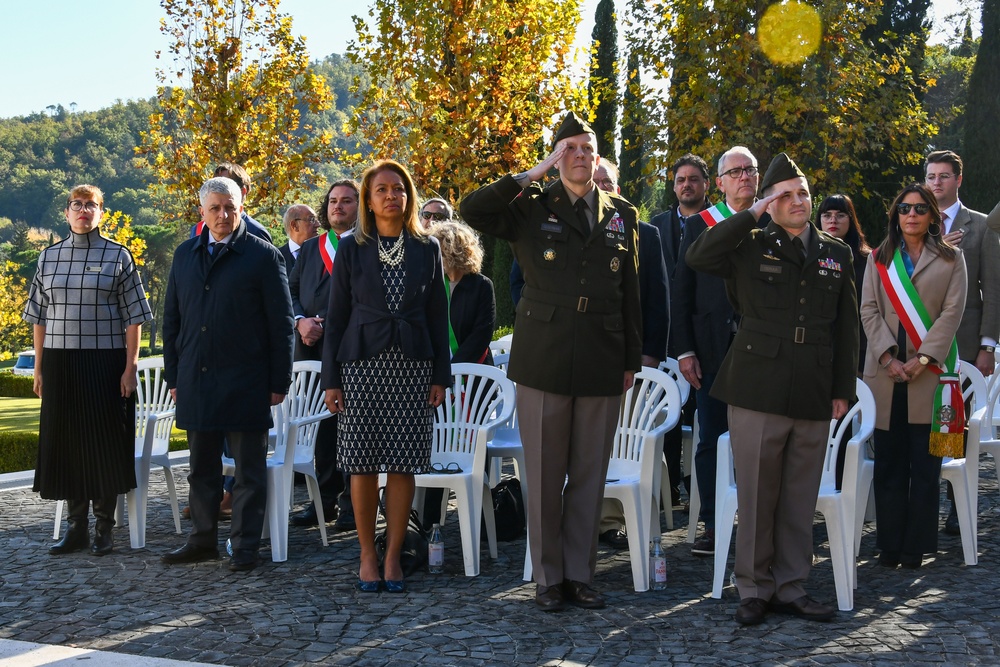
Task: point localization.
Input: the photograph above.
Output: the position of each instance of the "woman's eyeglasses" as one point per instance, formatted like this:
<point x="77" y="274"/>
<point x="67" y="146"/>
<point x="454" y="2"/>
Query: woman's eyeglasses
<point x="921" y="209"/>
<point x="77" y="205"/>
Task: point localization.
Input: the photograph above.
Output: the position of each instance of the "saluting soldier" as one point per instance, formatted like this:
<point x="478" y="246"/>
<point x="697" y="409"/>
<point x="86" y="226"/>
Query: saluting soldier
<point x="793" y="286"/>
<point x="576" y="347"/>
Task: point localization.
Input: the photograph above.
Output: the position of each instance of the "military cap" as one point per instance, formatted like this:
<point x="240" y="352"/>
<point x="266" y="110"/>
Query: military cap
<point x="571" y="126"/>
<point x="782" y="168"/>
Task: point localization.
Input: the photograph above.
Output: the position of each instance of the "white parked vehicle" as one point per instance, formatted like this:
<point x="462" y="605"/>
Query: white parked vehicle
<point x="25" y="363"/>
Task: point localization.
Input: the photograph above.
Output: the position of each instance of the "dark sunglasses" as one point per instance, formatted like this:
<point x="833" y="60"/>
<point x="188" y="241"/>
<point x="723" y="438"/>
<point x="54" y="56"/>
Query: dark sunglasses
<point x="436" y="217"/>
<point x="904" y="209"/>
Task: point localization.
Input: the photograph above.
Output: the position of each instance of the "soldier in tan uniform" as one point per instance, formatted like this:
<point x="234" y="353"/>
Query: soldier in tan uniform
<point x="790" y="368"/>
<point x="576" y="347"/>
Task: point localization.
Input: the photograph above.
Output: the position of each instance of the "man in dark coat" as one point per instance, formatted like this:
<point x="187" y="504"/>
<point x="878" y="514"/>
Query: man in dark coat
<point x="309" y="285"/>
<point x="238" y="174"/>
<point x="227" y="348"/>
<point x="793" y="288"/>
<point x="576" y="348"/>
<point x="301" y="224"/>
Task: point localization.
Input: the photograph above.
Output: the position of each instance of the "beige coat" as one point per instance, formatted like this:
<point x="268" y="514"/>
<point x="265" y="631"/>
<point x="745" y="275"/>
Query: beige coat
<point x="942" y="286"/>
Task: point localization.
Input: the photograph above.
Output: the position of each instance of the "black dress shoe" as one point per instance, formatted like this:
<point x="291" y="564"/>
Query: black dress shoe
<point x="243" y="560"/>
<point x="614" y="538"/>
<point x="582" y="595"/>
<point x="804" y="607"/>
<point x="345" y="522"/>
<point x="307" y="517"/>
<point x="190" y="553"/>
<point x="751" y="611"/>
<point x="911" y="562"/>
<point x="951" y="526"/>
<point x="549" y="598"/>
<point x="889" y="559"/>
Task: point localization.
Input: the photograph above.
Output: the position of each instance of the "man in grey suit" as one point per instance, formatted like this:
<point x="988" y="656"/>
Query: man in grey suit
<point x="965" y="228"/>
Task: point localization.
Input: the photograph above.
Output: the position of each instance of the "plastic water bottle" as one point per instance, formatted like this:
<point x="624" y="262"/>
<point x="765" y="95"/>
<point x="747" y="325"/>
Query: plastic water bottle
<point x="657" y="566"/>
<point x="435" y="551"/>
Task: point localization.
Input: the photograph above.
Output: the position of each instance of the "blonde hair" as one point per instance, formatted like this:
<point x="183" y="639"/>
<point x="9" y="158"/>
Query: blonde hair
<point x="460" y="246"/>
<point x="366" y="219"/>
<point x="86" y="191"/>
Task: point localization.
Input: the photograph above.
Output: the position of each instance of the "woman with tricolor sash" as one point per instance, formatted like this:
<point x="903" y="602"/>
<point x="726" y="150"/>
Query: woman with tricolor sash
<point x="912" y="303"/>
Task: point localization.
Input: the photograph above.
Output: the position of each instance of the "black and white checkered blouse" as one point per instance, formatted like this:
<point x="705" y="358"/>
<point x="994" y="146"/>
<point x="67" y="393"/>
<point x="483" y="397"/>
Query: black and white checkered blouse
<point x="85" y="293"/>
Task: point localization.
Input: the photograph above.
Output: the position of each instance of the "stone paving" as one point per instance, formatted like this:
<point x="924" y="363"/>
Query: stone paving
<point x="306" y="611"/>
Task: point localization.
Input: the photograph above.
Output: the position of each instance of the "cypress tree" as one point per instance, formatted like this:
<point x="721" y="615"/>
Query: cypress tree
<point x="981" y="179"/>
<point x="631" y="178"/>
<point x="602" y="88"/>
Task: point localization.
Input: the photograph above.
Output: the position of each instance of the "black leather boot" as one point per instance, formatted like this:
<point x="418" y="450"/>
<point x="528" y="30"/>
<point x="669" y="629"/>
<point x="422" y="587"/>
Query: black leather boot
<point x="104" y="513"/>
<point x="77" y="535"/>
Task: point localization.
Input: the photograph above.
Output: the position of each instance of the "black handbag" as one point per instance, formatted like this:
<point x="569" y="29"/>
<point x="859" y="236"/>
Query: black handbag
<point x="413" y="555"/>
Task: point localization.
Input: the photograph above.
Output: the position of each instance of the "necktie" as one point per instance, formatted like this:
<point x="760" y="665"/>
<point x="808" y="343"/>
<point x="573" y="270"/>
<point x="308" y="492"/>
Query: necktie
<point x="581" y="214"/>
<point x="295" y="254"/>
<point x="797" y="242"/>
<point x="216" y="249"/>
<point x="945" y="225"/>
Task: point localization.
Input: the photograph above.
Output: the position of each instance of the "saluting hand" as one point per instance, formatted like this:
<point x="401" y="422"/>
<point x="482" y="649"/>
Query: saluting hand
<point x="759" y="207"/>
<point x="538" y="172"/>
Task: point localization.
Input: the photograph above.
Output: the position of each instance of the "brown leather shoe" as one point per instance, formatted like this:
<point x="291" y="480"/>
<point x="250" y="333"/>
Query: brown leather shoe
<point x="804" y="607"/>
<point x="582" y="595"/>
<point x="751" y="611"/>
<point x="549" y="598"/>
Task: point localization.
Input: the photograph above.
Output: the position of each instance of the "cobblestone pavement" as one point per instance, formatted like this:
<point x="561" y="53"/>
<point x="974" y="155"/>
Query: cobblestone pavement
<point x="306" y="610"/>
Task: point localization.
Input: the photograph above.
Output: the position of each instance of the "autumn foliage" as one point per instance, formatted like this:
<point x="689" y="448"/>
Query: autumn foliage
<point x="232" y="88"/>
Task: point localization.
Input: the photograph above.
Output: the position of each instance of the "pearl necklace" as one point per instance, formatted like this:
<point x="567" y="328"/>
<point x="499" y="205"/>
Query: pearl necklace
<point x="392" y="257"/>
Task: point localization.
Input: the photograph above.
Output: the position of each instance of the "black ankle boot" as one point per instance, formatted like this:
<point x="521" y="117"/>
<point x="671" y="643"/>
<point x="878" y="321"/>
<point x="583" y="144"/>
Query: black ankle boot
<point x="77" y="535"/>
<point x="104" y="513"/>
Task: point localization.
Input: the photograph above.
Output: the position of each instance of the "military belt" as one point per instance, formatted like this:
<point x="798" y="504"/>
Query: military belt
<point x="581" y="304"/>
<point x="800" y="335"/>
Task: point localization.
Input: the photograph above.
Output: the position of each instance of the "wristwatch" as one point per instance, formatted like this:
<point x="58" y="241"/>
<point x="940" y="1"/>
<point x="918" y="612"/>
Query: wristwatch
<point x="923" y="359"/>
<point x="987" y="348"/>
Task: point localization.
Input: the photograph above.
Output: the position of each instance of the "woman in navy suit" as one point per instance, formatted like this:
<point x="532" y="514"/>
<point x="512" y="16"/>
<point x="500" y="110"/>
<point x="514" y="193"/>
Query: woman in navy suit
<point x="385" y="359"/>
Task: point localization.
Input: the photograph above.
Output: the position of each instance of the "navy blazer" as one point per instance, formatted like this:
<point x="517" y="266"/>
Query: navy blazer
<point x="286" y="254"/>
<point x="309" y="285"/>
<point x="654" y="293"/>
<point x="473" y="314"/>
<point x="227" y="333"/>
<point x="359" y="324"/>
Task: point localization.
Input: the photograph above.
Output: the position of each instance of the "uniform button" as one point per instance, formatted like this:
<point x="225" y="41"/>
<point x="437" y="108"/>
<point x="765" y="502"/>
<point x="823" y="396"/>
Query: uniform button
<point x="528" y="313"/>
<point x="549" y="237"/>
<point x="802" y="318"/>
<point x="803" y="283"/>
<point x="583" y="263"/>
<point x="802" y="300"/>
<point x="583" y="281"/>
<point x="204" y="329"/>
<point x="204" y="369"/>
<point x="208" y="287"/>
<point x="749" y="347"/>
<point x="770" y="279"/>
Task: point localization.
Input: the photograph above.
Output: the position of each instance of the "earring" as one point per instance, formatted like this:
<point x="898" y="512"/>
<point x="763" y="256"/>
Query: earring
<point x="935" y="234"/>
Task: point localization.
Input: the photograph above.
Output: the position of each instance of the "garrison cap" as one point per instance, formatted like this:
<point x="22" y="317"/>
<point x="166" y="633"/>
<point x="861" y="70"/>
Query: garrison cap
<point x="782" y="168"/>
<point x="571" y="126"/>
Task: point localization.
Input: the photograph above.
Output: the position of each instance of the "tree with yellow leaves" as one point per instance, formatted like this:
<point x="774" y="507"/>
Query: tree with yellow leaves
<point x="233" y="91"/>
<point x="461" y="90"/>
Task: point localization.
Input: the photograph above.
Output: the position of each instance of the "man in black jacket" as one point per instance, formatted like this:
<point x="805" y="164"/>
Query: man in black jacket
<point x="227" y="348"/>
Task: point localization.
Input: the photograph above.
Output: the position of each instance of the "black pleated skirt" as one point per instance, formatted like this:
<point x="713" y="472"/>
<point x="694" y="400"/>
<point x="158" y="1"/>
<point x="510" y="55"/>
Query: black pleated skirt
<point x="86" y="431"/>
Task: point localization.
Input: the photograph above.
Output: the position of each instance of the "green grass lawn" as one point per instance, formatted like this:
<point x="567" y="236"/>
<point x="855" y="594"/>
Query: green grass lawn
<point x="19" y="414"/>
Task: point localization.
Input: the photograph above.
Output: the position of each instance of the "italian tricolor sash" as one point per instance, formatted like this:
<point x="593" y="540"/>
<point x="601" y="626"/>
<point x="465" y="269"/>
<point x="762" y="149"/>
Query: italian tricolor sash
<point x="715" y="214"/>
<point x="948" y="419"/>
<point x="328" y="243"/>
<point x="452" y="339"/>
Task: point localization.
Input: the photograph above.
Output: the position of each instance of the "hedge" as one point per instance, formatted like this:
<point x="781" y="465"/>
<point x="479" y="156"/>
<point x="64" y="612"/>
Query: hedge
<point x="18" y="451"/>
<point x="16" y="386"/>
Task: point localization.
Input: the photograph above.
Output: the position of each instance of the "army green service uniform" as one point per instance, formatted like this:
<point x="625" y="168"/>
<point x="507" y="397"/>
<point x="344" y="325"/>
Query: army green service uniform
<point x="577" y="331"/>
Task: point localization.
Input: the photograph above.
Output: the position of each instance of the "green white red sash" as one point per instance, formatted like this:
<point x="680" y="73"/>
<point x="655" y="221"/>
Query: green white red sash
<point x="948" y="419"/>
<point x="452" y="339"/>
<point x="328" y="243"/>
<point x="715" y="214"/>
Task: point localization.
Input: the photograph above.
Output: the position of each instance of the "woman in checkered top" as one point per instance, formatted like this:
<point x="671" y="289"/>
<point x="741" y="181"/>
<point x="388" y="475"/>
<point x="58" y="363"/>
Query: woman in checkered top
<point x="87" y="306"/>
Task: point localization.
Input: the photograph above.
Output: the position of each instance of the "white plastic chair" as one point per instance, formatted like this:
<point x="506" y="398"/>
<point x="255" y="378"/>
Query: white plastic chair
<point x="296" y="422"/>
<point x="689" y="438"/>
<point x="840" y="509"/>
<point x="501" y="346"/>
<point x="480" y="399"/>
<point x="650" y="408"/>
<point x="963" y="473"/>
<point x="506" y="442"/>
<point x="154" y="419"/>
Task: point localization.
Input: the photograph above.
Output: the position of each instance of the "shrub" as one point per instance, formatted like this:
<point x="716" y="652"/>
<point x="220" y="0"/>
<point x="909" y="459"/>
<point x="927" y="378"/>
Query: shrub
<point x="16" y="386"/>
<point x="18" y="451"/>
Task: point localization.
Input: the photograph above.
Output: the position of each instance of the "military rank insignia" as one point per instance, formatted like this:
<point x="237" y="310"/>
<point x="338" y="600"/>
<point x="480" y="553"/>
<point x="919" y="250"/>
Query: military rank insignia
<point x="827" y="263"/>
<point x="616" y="224"/>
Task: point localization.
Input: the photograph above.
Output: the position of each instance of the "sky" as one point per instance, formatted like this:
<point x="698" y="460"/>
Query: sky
<point x="53" y="53"/>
